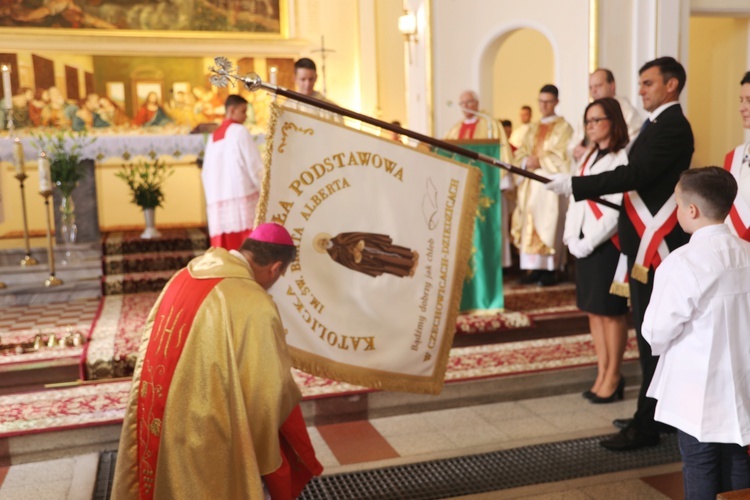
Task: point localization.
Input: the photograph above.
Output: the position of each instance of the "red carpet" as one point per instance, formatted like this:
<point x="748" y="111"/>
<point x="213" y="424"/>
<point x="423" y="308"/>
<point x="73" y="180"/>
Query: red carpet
<point x="100" y="403"/>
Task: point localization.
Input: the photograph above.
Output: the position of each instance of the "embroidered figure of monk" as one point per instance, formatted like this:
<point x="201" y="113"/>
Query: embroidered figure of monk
<point x="368" y="253"/>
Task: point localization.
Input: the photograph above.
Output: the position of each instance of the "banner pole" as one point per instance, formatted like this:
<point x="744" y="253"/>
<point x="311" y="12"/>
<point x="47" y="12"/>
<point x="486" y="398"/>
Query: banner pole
<point x="253" y="82"/>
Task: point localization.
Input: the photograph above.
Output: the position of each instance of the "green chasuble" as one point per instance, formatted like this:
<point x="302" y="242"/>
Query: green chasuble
<point x="483" y="286"/>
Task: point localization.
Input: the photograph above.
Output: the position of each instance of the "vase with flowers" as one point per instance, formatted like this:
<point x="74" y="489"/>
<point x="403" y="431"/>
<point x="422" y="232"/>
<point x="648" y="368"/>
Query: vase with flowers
<point x="146" y="180"/>
<point x="65" y="150"/>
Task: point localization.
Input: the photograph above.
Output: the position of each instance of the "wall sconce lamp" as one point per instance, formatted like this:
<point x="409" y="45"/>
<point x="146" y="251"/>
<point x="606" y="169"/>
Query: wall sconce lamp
<point x="407" y="26"/>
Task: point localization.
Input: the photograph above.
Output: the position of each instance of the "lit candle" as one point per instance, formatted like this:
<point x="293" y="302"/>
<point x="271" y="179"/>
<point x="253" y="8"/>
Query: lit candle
<point x="45" y="176"/>
<point x="18" y="155"/>
<point x="272" y="77"/>
<point x="6" y="87"/>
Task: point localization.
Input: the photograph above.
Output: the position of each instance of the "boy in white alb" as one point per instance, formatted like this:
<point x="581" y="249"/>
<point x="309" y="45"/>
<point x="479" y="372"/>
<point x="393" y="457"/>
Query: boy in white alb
<point x="698" y="321"/>
<point x="232" y="170"/>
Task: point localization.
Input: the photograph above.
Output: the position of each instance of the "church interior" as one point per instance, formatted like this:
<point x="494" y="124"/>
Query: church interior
<point x="510" y="421"/>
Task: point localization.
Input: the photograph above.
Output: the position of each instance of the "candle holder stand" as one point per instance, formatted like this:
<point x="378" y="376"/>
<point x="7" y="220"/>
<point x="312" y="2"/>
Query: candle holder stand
<point x="52" y="280"/>
<point x="28" y="260"/>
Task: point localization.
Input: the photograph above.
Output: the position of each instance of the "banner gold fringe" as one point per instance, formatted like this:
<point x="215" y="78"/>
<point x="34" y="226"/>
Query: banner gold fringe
<point x="265" y="183"/>
<point x="620" y="289"/>
<point x="639" y="273"/>
<point x="465" y="243"/>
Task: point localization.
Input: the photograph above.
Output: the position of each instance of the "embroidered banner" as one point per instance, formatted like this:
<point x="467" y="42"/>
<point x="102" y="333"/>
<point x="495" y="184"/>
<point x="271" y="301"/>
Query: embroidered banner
<point x="383" y="233"/>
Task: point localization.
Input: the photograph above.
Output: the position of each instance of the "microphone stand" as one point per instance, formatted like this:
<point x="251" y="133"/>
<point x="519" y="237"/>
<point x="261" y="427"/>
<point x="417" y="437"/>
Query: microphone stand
<point x="223" y="74"/>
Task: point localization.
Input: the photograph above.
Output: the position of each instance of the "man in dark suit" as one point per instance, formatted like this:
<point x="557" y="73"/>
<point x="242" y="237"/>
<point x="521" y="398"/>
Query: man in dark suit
<point x="659" y="154"/>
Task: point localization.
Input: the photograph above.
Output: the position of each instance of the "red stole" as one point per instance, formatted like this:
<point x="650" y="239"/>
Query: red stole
<point x="739" y="215"/>
<point x="298" y="465"/>
<point x="168" y="338"/>
<point x="467" y="130"/>
<point x="220" y="132"/>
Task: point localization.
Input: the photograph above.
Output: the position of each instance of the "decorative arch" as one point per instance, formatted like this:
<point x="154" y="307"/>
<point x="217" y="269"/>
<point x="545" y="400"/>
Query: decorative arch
<point x="490" y="46"/>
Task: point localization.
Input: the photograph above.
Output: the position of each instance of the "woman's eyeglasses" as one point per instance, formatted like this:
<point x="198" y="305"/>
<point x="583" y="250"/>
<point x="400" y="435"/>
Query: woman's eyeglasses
<point x="595" y="121"/>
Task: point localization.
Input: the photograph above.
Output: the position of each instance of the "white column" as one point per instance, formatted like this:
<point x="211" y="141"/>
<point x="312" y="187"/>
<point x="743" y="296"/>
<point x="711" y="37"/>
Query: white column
<point x="419" y="71"/>
<point x="368" y="82"/>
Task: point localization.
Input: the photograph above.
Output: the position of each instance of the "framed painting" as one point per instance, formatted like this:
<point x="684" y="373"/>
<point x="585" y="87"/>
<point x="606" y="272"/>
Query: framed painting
<point x="255" y="17"/>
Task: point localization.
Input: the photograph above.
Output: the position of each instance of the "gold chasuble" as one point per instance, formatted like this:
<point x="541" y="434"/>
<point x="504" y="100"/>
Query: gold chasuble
<point x="211" y="389"/>
<point x="537" y="219"/>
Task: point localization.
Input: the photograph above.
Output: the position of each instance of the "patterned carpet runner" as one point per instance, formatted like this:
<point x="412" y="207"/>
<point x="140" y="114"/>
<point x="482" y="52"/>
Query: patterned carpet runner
<point x="102" y="403"/>
<point x="133" y="265"/>
<point x="136" y="270"/>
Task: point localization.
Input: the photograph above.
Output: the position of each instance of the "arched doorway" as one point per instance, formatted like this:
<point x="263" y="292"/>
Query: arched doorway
<point x="523" y="61"/>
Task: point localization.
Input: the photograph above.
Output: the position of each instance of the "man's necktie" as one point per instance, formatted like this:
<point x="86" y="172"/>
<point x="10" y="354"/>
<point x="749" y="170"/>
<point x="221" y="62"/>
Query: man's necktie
<point x="645" y="125"/>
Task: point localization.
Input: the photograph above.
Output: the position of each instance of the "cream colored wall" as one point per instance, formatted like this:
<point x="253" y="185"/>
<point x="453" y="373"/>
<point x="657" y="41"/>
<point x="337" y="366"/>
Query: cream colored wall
<point x="183" y="193"/>
<point x="509" y="94"/>
<point x="12" y="200"/>
<point x="615" y="50"/>
<point x="467" y="35"/>
<point x="338" y="21"/>
<point x="718" y="60"/>
<point x="391" y="75"/>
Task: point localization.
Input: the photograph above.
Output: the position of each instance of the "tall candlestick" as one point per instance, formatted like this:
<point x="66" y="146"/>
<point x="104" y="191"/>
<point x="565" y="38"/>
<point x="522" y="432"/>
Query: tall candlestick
<point x="45" y="175"/>
<point x="28" y="260"/>
<point x="272" y="77"/>
<point x="18" y="155"/>
<point x="52" y="280"/>
<point x="6" y="87"/>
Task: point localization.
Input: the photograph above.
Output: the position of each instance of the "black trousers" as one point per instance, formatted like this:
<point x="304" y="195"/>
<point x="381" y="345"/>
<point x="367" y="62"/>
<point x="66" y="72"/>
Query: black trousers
<point x="640" y="295"/>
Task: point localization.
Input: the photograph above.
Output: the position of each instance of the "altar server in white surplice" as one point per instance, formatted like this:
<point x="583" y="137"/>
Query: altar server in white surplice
<point x="232" y="170"/>
<point x="737" y="162"/>
<point x="697" y="322"/>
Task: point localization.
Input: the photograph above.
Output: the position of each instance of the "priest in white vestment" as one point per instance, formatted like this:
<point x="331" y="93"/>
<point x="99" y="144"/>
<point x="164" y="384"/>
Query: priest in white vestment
<point x="537" y="223"/>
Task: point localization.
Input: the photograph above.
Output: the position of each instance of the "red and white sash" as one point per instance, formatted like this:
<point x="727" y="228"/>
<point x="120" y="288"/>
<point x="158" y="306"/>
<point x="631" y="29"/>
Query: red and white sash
<point x="620" y="282"/>
<point x="596" y="211"/>
<point x="652" y="229"/>
<point x="738" y="219"/>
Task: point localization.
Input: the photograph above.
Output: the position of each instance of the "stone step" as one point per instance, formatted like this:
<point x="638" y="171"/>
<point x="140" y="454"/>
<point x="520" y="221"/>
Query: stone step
<point x="36" y="293"/>
<point x="36" y="275"/>
<point x="11" y="258"/>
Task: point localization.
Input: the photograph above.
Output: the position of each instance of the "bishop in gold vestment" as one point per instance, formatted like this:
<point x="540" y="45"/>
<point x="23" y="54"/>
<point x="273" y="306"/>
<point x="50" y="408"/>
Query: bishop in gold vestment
<point x="212" y="388"/>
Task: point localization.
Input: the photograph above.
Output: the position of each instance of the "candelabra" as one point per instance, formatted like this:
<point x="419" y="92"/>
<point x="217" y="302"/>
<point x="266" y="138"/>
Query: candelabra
<point x="45" y="189"/>
<point x="28" y="260"/>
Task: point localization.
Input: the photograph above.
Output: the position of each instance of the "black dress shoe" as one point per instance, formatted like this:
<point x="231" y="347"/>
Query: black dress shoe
<point x="630" y="438"/>
<point x="531" y="277"/>
<point x="666" y="429"/>
<point x="621" y="423"/>
<point x="588" y="394"/>
<point x="547" y="278"/>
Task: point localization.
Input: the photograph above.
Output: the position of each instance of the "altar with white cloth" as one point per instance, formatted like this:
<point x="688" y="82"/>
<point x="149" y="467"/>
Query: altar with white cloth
<point x="184" y="204"/>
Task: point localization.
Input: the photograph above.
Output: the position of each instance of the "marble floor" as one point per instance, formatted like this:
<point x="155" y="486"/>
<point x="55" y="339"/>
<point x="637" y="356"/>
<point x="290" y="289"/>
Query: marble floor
<point x="416" y="437"/>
